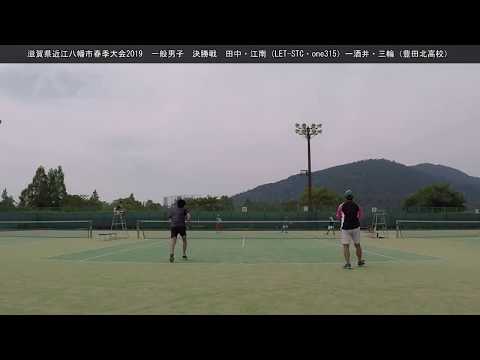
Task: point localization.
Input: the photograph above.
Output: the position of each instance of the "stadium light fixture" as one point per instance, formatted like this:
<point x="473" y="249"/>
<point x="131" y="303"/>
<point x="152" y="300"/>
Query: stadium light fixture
<point x="308" y="131"/>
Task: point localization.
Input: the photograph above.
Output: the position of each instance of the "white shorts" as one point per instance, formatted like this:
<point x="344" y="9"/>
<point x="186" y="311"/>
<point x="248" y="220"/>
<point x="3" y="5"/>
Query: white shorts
<point x="349" y="236"/>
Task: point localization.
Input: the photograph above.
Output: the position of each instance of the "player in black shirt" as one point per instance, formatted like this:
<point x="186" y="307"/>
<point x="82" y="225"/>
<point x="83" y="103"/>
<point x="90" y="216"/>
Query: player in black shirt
<point x="178" y="216"/>
<point x="350" y="213"/>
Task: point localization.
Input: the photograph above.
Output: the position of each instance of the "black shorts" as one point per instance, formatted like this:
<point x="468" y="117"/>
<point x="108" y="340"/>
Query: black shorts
<point x="178" y="230"/>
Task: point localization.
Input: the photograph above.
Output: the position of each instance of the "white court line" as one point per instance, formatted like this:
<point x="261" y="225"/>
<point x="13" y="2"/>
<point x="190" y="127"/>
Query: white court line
<point x="155" y="244"/>
<point x="400" y="250"/>
<point x="410" y="252"/>
<point x="121" y="250"/>
<point x="150" y="245"/>
<point x="100" y="248"/>
<point x="375" y="253"/>
<point x="192" y="262"/>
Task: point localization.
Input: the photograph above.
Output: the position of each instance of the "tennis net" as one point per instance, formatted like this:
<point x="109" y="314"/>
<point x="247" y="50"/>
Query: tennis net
<point x="437" y="228"/>
<point x="57" y="229"/>
<point x="151" y="229"/>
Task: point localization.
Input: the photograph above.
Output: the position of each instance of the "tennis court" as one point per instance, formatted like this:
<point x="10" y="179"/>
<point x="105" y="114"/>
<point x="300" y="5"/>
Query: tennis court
<point x="235" y="272"/>
<point x="238" y="247"/>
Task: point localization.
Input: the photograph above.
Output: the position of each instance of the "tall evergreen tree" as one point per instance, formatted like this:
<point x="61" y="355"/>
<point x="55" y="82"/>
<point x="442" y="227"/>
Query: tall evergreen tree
<point x="37" y="192"/>
<point x="95" y="198"/>
<point x="7" y="201"/>
<point x="56" y="187"/>
<point x="22" y="199"/>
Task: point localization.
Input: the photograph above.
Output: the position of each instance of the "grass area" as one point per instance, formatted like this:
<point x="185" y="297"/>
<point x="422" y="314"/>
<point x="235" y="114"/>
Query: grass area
<point x="274" y="274"/>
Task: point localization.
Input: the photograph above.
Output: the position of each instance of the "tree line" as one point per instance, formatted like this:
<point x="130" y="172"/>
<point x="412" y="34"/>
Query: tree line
<point x="47" y="190"/>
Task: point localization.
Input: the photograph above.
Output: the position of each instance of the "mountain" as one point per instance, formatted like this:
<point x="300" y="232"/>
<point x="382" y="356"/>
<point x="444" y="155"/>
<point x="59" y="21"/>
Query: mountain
<point x="448" y="174"/>
<point x="376" y="182"/>
<point x="460" y="181"/>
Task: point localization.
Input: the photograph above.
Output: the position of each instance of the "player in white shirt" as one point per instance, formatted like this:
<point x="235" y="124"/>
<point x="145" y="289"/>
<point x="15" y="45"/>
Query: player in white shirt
<point x="218" y="225"/>
<point x="331" y="226"/>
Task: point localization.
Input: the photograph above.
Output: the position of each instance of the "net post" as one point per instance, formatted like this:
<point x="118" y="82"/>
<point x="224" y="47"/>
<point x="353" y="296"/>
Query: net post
<point x="397" y="227"/>
<point x="138" y="229"/>
<point x="90" y="229"/>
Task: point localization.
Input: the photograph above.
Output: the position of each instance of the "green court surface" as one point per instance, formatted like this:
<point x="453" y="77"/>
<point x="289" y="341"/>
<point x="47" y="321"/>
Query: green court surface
<point x="238" y="247"/>
<point x="243" y="272"/>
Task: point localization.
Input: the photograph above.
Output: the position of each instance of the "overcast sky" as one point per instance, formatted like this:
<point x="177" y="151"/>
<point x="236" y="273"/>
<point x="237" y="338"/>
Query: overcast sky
<point x="158" y="130"/>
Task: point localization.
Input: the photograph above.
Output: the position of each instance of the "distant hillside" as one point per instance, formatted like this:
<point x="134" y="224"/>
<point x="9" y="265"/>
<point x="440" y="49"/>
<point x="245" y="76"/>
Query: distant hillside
<point x="468" y="185"/>
<point x="381" y="183"/>
<point x="449" y="174"/>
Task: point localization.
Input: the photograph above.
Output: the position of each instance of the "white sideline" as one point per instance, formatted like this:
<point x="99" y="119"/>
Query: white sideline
<point x="375" y="253"/>
<point x="120" y="250"/>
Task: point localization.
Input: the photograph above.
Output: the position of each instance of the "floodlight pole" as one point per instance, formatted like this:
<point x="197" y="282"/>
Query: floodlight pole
<point x="308" y="131"/>
<point x="309" y="172"/>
